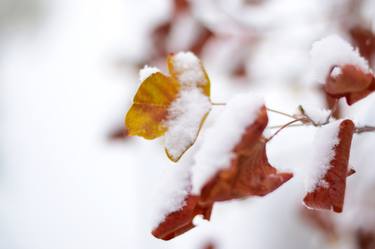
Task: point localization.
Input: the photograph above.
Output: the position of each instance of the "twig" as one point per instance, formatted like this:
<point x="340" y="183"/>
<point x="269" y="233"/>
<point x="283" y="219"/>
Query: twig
<point x="365" y="128"/>
<point x="283" y="127"/>
<point x="281" y="113"/>
<point x="306" y="120"/>
<point x="292" y="125"/>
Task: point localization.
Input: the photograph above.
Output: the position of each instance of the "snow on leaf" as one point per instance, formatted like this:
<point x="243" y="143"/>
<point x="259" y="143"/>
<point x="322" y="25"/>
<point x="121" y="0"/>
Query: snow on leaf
<point x="245" y="171"/>
<point x="326" y="188"/>
<point x="342" y="70"/>
<point x="174" y="210"/>
<point x="147" y="71"/>
<point x="175" y="105"/>
<point x="180" y="221"/>
<point x="333" y="51"/>
<point x="352" y="83"/>
<point x="186" y="116"/>
<point x="189" y="71"/>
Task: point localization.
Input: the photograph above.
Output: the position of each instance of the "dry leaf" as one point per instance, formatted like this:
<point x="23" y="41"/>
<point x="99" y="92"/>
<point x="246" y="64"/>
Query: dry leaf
<point x="178" y="222"/>
<point x="250" y="173"/>
<point x="352" y="83"/>
<point x="332" y="196"/>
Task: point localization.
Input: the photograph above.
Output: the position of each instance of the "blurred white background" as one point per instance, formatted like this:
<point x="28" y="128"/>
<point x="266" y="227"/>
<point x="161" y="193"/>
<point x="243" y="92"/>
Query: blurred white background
<point x="67" y="77"/>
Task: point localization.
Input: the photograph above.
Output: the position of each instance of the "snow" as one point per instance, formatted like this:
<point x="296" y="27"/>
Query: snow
<point x="184" y="118"/>
<point x="334" y="51"/>
<point x="325" y="140"/>
<point x="189" y="69"/>
<point x="216" y="149"/>
<point x="318" y="115"/>
<point x="175" y="188"/>
<point x="147" y="71"/>
<point x="336" y="72"/>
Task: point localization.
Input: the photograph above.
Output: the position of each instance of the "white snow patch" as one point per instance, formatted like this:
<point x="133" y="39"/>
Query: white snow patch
<point x="216" y="151"/>
<point x="325" y="140"/>
<point x="336" y="72"/>
<point x="172" y="192"/>
<point x="334" y="51"/>
<point x="184" y="118"/>
<point x="146" y="72"/>
<point x="318" y="115"/>
<point x="199" y="220"/>
<point x="189" y="69"/>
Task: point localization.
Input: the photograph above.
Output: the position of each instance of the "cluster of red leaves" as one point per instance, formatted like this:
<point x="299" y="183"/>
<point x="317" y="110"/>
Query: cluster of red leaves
<point x="249" y="174"/>
<point x="161" y="33"/>
<point x="202" y="38"/>
<point x="332" y="197"/>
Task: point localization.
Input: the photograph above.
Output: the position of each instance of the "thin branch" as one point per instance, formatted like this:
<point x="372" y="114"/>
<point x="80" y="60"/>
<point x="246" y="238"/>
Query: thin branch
<point x="306" y="121"/>
<point x="283" y="127"/>
<point x="281" y="113"/>
<point x="292" y="125"/>
<point x="365" y="128"/>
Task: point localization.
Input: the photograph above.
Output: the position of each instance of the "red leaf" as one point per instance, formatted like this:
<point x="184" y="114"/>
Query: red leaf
<point x="332" y="197"/>
<point x="249" y="174"/>
<point x="180" y="221"/>
<point x="352" y="83"/>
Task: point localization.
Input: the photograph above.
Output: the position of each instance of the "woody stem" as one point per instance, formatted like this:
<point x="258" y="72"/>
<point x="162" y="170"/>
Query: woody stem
<point x="364" y="129"/>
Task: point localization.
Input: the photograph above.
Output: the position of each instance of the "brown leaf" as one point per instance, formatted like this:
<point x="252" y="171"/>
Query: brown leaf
<point x="250" y="173"/>
<point x="352" y="83"/>
<point x="332" y="197"/>
<point x="180" y="221"/>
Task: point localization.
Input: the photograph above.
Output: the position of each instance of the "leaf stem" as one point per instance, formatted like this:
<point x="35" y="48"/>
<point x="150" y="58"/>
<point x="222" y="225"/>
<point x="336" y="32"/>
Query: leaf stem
<point x="281" y="113"/>
<point x="283" y="127"/>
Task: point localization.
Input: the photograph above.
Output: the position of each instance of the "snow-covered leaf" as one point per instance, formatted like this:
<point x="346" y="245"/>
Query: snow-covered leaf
<point x="232" y="162"/>
<point x="326" y="181"/>
<point x="180" y="221"/>
<point x="351" y="82"/>
<point x="175" y="105"/>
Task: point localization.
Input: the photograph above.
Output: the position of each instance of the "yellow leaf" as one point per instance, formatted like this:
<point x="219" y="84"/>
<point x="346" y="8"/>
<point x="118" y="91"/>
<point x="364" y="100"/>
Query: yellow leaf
<point x="150" y="106"/>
